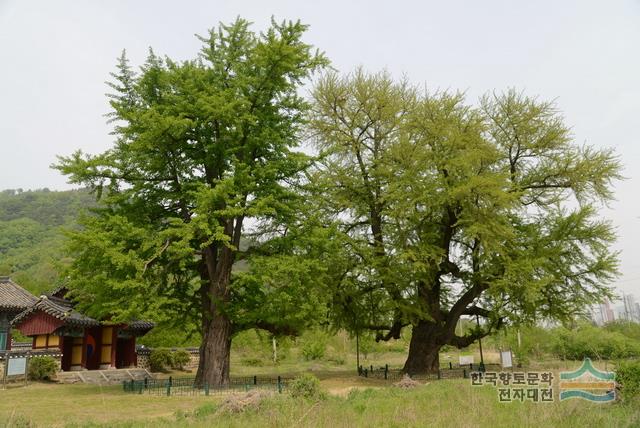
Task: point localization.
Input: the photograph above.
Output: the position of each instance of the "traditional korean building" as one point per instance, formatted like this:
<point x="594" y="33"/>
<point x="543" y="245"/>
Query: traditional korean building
<point x="13" y="300"/>
<point x="85" y="343"/>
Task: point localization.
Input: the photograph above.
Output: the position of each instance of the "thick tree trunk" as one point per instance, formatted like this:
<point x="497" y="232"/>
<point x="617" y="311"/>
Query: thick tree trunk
<point x="424" y="349"/>
<point x="215" y="352"/>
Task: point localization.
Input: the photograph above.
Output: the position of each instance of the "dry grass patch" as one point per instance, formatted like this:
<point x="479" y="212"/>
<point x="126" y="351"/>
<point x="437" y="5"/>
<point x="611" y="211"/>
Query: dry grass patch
<point x="237" y="403"/>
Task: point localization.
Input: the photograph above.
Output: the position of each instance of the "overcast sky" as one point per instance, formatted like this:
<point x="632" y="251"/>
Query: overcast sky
<point x="56" y="55"/>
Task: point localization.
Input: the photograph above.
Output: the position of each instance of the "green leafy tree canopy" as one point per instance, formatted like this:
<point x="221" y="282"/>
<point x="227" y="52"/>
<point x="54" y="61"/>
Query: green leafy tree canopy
<point x="205" y="151"/>
<point x="449" y="210"/>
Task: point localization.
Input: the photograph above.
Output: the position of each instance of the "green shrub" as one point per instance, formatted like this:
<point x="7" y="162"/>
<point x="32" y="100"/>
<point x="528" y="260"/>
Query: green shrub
<point x="629" y="329"/>
<point x="367" y="345"/>
<point x="180" y="358"/>
<point x="628" y="377"/>
<point x="160" y="360"/>
<point x="314" y="345"/>
<point x="42" y="368"/>
<point x="306" y="386"/>
<point x="313" y="350"/>
<point x="283" y="345"/>
<point x="595" y="343"/>
<point x="535" y="342"/>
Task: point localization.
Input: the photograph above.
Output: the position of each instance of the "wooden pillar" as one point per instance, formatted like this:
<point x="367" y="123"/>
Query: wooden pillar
<point x="114" y="345"/>
<point x="133" y="352"/>
<point x="107" y="346"/>
<point x="66" y="348"/>
<point x="129" y="352"/>
<point x="77" y="353"/>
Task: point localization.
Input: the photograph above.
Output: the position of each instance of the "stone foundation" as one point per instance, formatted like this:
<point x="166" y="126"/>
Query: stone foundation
<point x="142" y="354"/>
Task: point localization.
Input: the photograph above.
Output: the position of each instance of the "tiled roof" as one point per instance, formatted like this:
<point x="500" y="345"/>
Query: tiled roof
<point x="13" y="297"/>
<point x="139" y="326"/>
<point x="58" y="308"/>
<point x="60" y="291"/>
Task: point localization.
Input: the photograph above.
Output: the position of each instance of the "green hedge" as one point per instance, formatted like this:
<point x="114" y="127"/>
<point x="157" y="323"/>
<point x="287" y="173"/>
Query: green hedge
<point x="162" y="359"/>
<point x="179" y="359"/>
<point x="628" y="377"/>
<point x="595" y="343"/>
<point x="42" y="368"/>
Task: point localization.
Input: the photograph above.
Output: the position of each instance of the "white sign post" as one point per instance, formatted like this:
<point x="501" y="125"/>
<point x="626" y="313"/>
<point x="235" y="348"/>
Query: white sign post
<point x="506" y="359"/>
<point x="465" y="360"/>
<point x="17" y="366"/>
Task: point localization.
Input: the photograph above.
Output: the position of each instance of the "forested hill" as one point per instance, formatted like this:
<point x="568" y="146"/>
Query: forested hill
<point x="31" y="233"/>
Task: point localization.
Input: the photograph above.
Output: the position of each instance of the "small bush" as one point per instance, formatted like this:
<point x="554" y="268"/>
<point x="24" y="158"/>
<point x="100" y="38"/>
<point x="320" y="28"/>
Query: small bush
<point x="42" y="368"/>
<point x="313" y="350"/>
<point x="628" y="377"/>
<point x="314" y="345"/>
<point x="306" y="386"/>
<point x="180" y="358"/>
<point x="368" y="345"/>
<point x="160" y="360"/>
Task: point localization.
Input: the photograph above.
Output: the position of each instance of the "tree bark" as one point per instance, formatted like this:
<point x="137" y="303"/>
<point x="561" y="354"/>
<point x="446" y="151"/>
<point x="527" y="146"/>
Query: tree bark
<point x="215" y="351"/>
<point x="424" y="349"/>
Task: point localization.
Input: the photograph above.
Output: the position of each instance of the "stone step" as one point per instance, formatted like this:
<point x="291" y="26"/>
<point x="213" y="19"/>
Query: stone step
<point x="103" y="377"/>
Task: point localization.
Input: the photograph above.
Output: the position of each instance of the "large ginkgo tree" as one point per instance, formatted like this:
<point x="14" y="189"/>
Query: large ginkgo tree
<point x="205" y="152"/>
<point x="449" y="210"/>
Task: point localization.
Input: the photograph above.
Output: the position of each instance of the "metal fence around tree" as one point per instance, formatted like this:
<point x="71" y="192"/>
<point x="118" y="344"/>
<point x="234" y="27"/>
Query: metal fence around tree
<point x="450" y="372"/>
<point x="188" y="386"/>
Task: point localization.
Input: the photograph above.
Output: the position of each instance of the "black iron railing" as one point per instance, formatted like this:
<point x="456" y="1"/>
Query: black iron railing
<point x="450" y="372"/>
<point x="188" y="386"/>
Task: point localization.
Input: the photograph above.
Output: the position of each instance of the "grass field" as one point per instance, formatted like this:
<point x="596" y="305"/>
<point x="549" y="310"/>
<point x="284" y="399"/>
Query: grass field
<point x="352" y="402"/>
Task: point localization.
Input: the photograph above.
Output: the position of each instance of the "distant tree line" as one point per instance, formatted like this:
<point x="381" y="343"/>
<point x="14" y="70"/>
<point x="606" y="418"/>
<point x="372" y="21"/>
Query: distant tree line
<point x="32" y="225"/>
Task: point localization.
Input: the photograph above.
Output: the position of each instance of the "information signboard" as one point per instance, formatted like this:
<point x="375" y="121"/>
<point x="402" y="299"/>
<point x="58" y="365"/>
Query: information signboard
<point x="17" y="366"/>
<point x="505" y="359"/>
<point x="465" y="360"/>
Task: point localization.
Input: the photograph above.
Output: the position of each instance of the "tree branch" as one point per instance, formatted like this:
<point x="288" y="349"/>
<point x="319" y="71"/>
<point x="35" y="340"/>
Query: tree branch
<point x="466" y="340"/>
